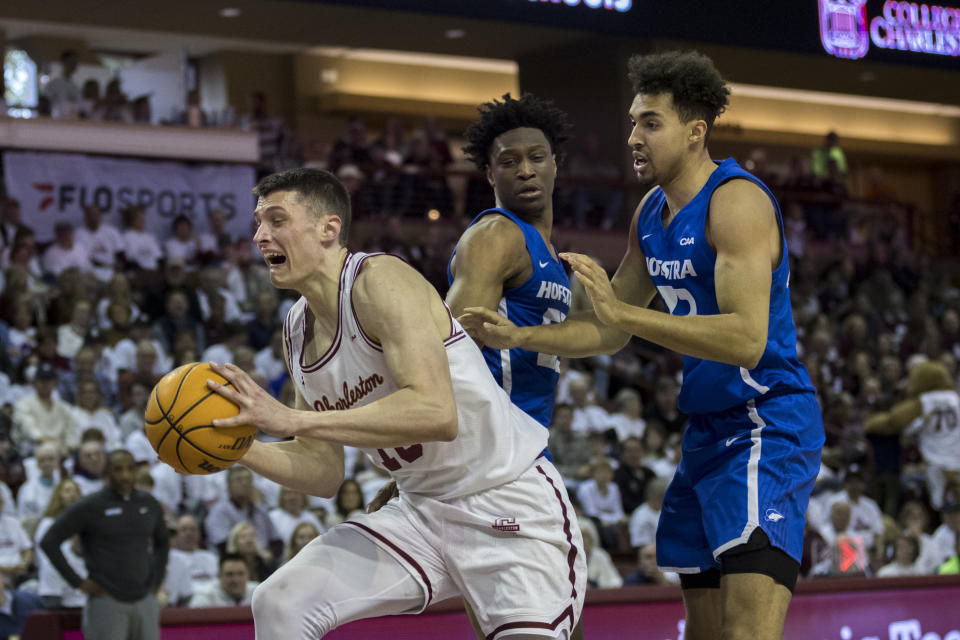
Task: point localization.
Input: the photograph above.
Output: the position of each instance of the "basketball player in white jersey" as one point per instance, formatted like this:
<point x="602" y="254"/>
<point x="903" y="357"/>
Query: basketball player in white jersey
<point x="932" y="415"/>
<point x="380" y="364"/>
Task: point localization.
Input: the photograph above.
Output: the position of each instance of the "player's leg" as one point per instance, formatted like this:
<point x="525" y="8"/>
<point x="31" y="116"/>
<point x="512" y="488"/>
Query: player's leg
<point x="516" y="554"/>
<point x="755" y="591"/>
<point x="338" y="577"/>
<point x="682" y="546"/>
<point x="576" y="635"/>
<point x="755" y="498"/>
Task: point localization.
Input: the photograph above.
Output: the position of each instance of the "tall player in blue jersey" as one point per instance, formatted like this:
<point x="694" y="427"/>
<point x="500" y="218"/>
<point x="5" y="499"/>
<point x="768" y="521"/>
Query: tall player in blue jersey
<point x="709" y="239"/>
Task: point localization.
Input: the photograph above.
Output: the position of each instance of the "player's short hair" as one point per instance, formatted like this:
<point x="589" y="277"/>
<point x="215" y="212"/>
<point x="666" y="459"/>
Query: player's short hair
<point x="697" y="89"/>
<point x="319" y="190"/>
<point x="498" y="117"/>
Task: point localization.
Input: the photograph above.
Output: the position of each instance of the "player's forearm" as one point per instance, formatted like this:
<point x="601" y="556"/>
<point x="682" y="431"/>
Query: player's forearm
<point x="290" y="464"/>
<point x="579" y="336"/>
<point x="725" y="337"/>
<point x="403" y="418"/>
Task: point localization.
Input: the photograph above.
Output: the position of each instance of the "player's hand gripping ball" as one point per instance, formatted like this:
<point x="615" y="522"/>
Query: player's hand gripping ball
<point x="179" y="422"/>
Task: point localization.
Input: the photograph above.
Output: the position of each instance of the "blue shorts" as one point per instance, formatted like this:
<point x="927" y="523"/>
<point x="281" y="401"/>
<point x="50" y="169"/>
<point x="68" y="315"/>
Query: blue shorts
<point x="747" y="467"/>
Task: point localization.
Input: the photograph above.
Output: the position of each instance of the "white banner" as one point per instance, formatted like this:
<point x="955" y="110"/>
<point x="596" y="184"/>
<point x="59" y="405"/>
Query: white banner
<point x="54" y="187"/>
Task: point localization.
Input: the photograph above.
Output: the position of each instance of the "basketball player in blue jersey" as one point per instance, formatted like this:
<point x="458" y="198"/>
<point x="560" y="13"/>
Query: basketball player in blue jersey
<point x="504" y="259"/>
<point x="708" y="238"/>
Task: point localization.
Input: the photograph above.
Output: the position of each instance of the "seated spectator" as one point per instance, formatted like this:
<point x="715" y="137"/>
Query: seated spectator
<point x="866" y="518"/>
<point x="952" y="566"/>
<point x="587" y="414"/>
<point x="349" y="500"/>
<point x="845" y="553"/>
<point x="239" y="506"/>
<point x="185" y="544"/>
<point x="71" y="336"/>
<point x="262" y="327"/>
<point x="51" y="587"/>
<point x="601" y="572"/>
<point x="103" y="242"/>
<point x="647" y="570"/>
<point x="39" y="416"/>
<point x="626" y="419"/>
<point x="183" y="245"/>
<point x="292" y="512"/>
<point x="301" y="535"/>
<point x="568" y="447"/>
<point x="16" y="549"/>
<point x="906" y="553"/>
<point x="600" y="499"/>
<point x="16" y="605"/>
<point x="664" y="407"/>
<point x="34" y="495"/>
<point x="914" y="520"/>
<point x="65" y="252"/>
<point x="131" y="420"/>
<point x="89" y="468"/>
<point x="631" y="477"/>
<point x="644" y="519"/>
<point x="657" y="458"/>
<point x="21" y="334"/>
<point x="177" y="587"/>
<point x="146" y="370"/>
<point x="269" y="361"/>
<point x="215" y="239"/>
<point x="243" y="542"/>
<point x="233" y="586"/>
<point x="89" y="413"/>
<point x="140" y="247"/>
<point x="946" y="535"/>
<point x="177" y="320"/>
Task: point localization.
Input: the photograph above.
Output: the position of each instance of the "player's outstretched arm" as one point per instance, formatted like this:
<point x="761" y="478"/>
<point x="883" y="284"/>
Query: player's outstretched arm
<point x="581" y="334"/>
<point x="741" y="226"/>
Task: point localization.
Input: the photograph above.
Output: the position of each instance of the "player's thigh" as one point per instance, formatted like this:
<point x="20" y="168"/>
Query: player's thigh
<point x="754" y="607"/>
<point x="703" y="613"/>
<point x="516" y="554"/>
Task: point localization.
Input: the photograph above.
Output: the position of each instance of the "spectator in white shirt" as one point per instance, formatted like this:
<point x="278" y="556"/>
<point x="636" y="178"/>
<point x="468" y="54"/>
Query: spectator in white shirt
<point x="644" y="519"/>
<point x="66" y="252"/>
<point x="34" y="494"/>
<point x="91" y="463"/>
<point x="185" y="544"/>
<point x="945" y="536"/>
<point x="140" y="247"/>
<point x="51" y="586"/>
<point x="63" y="93"/>
<point x="40" y="416"/>
<point x="183" y="244"/>
<point x="601" y="572"/>
<point x="232" y="588"/>
<point x="906" y="553"/>
<point x="866" y="519"/>
<point x="291" y="512"/>
<point x="599" y="498"/>
<point x="16" y="550"/>
<point x="626" y="418"/>
<point x="587" y="415"/>
<point x="102" y="241"/>
<point x="90" y="413"/>
<point x="71" y="336"/>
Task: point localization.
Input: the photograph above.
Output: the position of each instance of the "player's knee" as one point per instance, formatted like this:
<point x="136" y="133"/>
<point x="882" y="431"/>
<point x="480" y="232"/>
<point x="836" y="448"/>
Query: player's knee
<point x="289" y="612"/>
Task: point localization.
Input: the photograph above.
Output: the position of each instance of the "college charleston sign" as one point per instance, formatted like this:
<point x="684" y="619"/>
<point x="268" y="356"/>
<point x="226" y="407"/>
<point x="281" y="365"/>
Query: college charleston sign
<point x="846" y="31"/>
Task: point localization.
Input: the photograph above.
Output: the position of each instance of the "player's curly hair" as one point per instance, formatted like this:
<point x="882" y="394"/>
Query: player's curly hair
<point x="698" y="90"/>
<point x="497" y="117"/>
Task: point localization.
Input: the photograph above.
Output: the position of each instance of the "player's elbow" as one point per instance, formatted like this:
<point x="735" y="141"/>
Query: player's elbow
<point x="751" y="353"/>
<point x="446" y="425"/>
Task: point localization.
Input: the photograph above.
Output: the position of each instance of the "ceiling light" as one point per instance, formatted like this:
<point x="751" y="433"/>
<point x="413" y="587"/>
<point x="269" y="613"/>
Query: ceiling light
<point x="454" y="34"/>
<point x="229" y="12"/>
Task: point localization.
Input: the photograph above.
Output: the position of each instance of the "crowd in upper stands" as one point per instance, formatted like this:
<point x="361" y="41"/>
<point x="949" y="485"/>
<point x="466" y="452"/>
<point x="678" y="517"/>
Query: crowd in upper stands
<point x="90" y="321"/>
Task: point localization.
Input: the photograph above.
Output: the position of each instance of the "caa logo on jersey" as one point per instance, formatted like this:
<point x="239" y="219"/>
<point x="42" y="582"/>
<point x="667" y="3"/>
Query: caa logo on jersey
<point x="774" y="516"/>
<point x="686" y="241"/>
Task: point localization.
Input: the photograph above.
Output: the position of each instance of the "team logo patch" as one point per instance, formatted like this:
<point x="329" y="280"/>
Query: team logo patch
<point x="774" y="516"/>
<point x="506" y="524"/>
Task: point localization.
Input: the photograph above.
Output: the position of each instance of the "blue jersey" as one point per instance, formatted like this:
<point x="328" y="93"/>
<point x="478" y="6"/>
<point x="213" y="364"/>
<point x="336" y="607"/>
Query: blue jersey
<point x="530" y="378"/>
<point x="681" y="265"/>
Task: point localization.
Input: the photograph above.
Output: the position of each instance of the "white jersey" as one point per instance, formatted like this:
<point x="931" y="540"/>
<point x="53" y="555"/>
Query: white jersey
<point x="496" y="441"/>
<point x="938" y="431"/>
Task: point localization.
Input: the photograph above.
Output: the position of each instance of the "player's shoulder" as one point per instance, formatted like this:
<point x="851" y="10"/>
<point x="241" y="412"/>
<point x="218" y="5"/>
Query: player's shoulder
<point x="493" y="229"/>
<point x="740" y="191"/>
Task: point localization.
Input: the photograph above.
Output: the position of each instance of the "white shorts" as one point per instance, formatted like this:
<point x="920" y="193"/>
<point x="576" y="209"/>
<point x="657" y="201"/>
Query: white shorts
<point x="514" y="553"/>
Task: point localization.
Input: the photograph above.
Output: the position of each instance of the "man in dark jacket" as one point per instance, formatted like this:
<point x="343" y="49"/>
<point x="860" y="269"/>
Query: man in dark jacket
<point x="125" y="544"/>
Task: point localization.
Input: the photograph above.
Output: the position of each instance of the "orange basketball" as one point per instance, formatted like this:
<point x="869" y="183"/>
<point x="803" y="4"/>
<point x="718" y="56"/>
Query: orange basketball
<point x="179" y="417"/>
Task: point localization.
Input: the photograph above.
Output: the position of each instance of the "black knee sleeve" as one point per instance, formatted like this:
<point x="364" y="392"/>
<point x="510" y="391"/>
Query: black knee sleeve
<point x="757" y="555"/>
